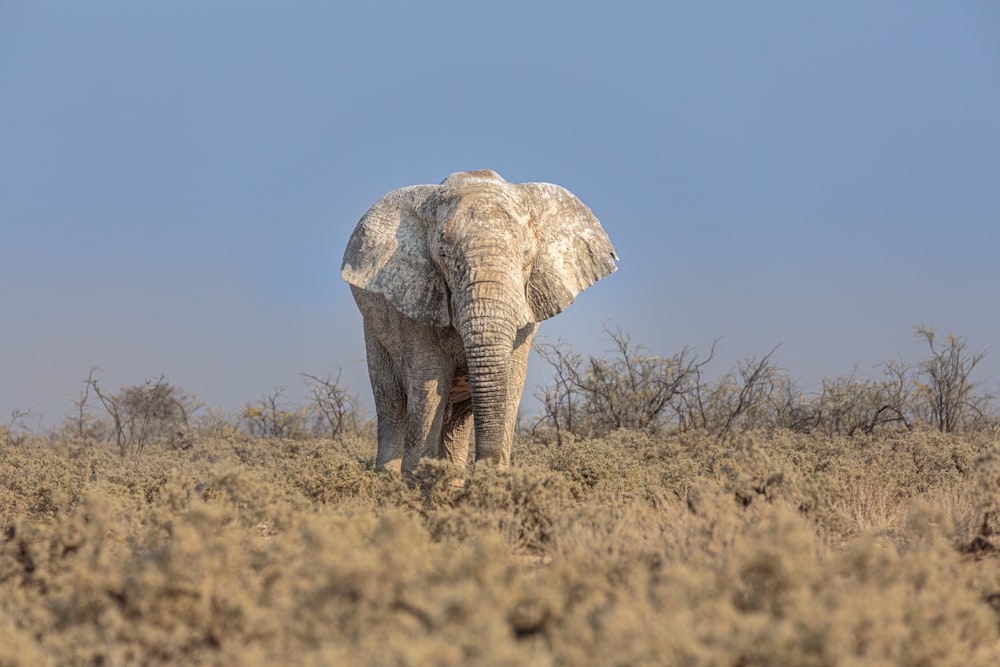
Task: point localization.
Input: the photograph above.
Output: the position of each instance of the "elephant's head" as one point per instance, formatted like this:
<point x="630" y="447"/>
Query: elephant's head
<point x="420" y="245"/>
<point x="481" y="255"/>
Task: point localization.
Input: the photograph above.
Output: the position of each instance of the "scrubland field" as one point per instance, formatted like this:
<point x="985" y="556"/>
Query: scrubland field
<point x="651" y="516"/>
<point x="771" y="548"/>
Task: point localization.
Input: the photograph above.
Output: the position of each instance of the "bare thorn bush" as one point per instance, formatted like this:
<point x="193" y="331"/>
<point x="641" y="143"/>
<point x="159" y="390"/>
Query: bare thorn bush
<point x="849" y="405"/>
<point x="949" y="397"/>
<point x="16" y="430"/>
<point x="333" y="410"/>
<point x="155" y="411"/>
<point x="270" y="417"/>
<point x="629" y="387"/>
<point x="746" y="398"/>
<point x="625" y="388"/>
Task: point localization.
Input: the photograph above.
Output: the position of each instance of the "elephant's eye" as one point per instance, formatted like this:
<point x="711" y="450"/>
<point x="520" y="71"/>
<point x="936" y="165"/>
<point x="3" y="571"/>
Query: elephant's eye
<point x="440" y="252"/>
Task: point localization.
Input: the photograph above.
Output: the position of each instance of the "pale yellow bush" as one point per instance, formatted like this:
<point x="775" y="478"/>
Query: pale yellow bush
<point x="633" y="549"/>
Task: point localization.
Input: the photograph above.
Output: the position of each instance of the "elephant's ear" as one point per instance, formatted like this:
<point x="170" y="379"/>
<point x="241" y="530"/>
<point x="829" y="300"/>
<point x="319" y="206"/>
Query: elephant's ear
<point x="573" y="253"/>
<point x="388" y="254"/>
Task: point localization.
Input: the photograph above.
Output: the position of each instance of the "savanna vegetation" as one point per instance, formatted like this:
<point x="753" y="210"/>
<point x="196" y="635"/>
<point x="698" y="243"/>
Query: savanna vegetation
<point x="651" y="516"/>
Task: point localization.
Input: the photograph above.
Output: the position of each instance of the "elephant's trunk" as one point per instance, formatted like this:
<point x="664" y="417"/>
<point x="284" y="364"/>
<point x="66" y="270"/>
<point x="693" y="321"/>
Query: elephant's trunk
<point x="488" y="324"/>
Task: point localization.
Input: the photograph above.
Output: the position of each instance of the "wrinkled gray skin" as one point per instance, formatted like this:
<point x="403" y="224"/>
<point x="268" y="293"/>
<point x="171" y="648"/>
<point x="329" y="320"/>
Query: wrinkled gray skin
<point x="451" y="280"/>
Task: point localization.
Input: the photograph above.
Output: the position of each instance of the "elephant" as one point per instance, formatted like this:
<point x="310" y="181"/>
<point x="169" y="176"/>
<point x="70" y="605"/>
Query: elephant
<point x="451" y="281"/>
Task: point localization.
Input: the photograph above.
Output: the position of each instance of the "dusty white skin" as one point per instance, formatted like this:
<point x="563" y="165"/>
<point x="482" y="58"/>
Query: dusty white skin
<point x="451" y="280"/>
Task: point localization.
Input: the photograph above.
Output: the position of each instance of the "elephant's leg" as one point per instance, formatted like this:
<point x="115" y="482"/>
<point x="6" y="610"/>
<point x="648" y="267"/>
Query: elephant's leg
<point x="458" y="420"/>
<point x="390" y="404"/>
<point x="456" y="432"/>
<point x="455" y="435"/>
<point x="427" y="398"/>
<point x="518" y="372"/>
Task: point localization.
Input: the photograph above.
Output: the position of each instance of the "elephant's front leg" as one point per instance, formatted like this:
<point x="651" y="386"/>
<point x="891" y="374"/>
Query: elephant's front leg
<point x="457" y="420"/>
<point x="426" y="401"/>
<point x="456" y="432"/>
<point x="455" y="435"/>
<point x="517" y="374"/>
<point x="390" y="403"/>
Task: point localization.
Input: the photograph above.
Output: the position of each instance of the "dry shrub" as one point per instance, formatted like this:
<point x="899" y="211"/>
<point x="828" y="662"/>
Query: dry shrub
<point x="522" y="504"/>
<point x="628" y="386"/>
<point x="987" y="495"/>
<point x="632" y="549"/>
<point x="610" y="466"/>
<point x="772" y="595"/>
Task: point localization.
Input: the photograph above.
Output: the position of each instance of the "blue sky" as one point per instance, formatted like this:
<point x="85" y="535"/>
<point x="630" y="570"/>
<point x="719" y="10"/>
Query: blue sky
<point x="178" y="180"/>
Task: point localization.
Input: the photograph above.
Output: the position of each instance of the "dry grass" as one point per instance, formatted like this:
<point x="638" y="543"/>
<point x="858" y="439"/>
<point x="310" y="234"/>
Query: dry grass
<point x="777" y="550"/>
